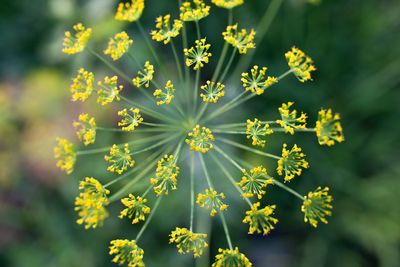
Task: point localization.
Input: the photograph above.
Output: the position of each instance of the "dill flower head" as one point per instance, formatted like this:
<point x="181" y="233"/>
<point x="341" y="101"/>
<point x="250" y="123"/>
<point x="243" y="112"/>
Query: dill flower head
<point x="164" y="30"/>
<point x="109" y="90"/>
<point x="212" y="200"/>
<point x="165" y="96"/>
<point x="118" y="45"/>
<point x="256" y="131"/>
<point x="194" y="10"/>
<point x="145" y="76"/>
<point x="76" y="43"/>
<point x="166" y="173"/>
<point x="300" y="64"/>
<point x="289" y="119"/>
<point x="291" y="163"/>
<point x="200" y="139"/>
<point x="260" y="220"/>
<point x="86" y="128"/>
<point x="231" y="257"/>
<point x="212" y="91"/>
<point x="198" y="55"/>
<point x="256" y="81"/>
<point x="131" y="119"/>
<point x="254" y="181"/>
<point x="91" y="202"/>
<point x="328" y="128"/>
<point x="228" y="4"/>
<point x="188" y="242"/>
<point x="241" y="40"/>
<point x="136" y="208"/>
<point x="316" y="206"/>
<point x="82" y="85"/>
<point x="126" y="252"/>
<point x="129" y="11"/>
<point x="65" y="155"/>
<point x="119" y="159"/>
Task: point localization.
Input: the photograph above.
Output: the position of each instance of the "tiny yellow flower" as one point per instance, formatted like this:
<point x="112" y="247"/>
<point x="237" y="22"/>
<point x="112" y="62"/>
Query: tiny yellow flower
<point x="228" y="4"/>
<point x="328" y="128"/>
<point x="300" y="64"/>
<point x="136" y="208"/>
<point x="82" y="85"/>
<point x="86" y="129"/>
<point x="188" y="242"/>
<point x="165" y="96"/>
<point x="257" y="82"/>
<point x="316" y="206"/>
<point x="242" y="40"/>
<point x="194" y="10"/>
<point x="144" y="77"/>
<point x="289" y="120"/>
<point x="76" y="43"/>
<point x="212" y="92"/>
<point x="166" y="174"/>
<point x="130" y="119"/>
<point x="130" y="11"/>
<point x="211" y="200"/>
<point x="260" y="220"/>
<point x="120" y="159"/>
<point x="256" y="131"/>
<point x="198" y="55"/>
<point x="109" y="90"/>
<point x="118" y="45"/>
<point x="164" y="30"/>
<point x="65" y="155"/>
<point x="231" y="258"/>
<point x="291" y="163"/>
<point x="91" y="202"/>
<point x="254" y="182"/>
<point x="126" y="252"/>
<point x="200" y="139"/>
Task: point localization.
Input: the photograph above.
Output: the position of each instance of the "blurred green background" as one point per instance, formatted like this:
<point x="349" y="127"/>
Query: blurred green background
<point x="356" y="47"/>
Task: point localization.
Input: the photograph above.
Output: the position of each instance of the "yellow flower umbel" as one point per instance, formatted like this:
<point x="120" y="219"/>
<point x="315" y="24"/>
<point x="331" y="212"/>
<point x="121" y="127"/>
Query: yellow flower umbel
<point x="65" y="155"/>
<point x="212" y="92"/>
<point x="144" y="77"/>
<point x="164" y="30"/>
<point x="166" y="174"/>
<point x="118" y="45"/>
<point x="231" y="258"/>
<point x="200" y="139"/>
<point x="254" y="182"/>
<point x="82" y="85"/>
<point x="194" y="10"/>
<point x="76" y="43"/>
<point x="136" y="208"/>
<point x="119" y="159"/>
<point x="289" y="120"/>
<point x="256" y="131"/>
<point x="198" y="55"/>
<point x="109" y="90"/>
<point x="165" y="96"/>
<point x="291" y="163"/>
<point x="91" y="202"/>
<point x="130" y="11"/>
<point x="228" y="4"/>
<point x="86" y="129"/>
<point x="328" y="128"/>
<point x="212" y="200"/>
<point x="300" y="64"/>
<point x="188" y="242"/>
<point x="260" y="220"/>
<point x="130" y="119"/>
<point x="316" y="206"/>
<point x="256" y="81"/>
<point x="241" y="40"/>
<point x="126" y="252"/>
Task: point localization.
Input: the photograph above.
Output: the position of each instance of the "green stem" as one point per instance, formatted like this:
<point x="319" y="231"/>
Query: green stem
<point x="229" y="158"/>
<point x="196" y="90"/>
<point x="285" y="74"/>
<point x="221" y="109"/>
<point x="147" y="191"/>
<point x="255" y="151"/>
<point x="108" y="129"/>
<point x="227" y="132"/>
<point x="155" y="145"/>
<point x="203" y="164"/>
<point x="177" y="62"/>
<point x="149" y="218"/>
<point x="228" y="66"/>
<point x="191" y="190"/>
<point x="288" y="189"/>
<point x="228" y="237"/>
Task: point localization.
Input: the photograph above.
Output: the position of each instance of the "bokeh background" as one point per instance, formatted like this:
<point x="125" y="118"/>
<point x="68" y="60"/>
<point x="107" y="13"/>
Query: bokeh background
<point x="356" y="47"/>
